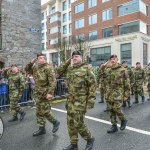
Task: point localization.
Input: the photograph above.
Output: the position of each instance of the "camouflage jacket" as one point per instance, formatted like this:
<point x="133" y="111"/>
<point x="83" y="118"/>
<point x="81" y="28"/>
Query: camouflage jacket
<point x="139" y="76"/>
<point x="147" y="74"/>
<point x="101" y="75"/>
<point x="131" y="75"/>
<point x="119" y="83"/>
<point x="44" y="77"/>
<point x="82" y="86"/>
<point x="16" y="81"/>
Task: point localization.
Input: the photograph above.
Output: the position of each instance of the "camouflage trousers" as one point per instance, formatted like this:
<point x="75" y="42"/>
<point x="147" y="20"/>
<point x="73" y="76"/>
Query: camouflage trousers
<point x="115" y="111"/>
<point x="138" y="90"/>
<point x="102" y="90"/>
<point x="43" y="111"/>
<point x="75" y="123"/>
<point x="14" y="106"/>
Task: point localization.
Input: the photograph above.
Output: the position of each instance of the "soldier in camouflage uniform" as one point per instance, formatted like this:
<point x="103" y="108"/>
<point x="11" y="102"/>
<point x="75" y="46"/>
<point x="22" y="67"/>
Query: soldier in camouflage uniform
<point x="106" y="67"/>
<point x="139" y="77"/>
<point x="120" y="90"/>
<point x="131" y="77"/>
<point x="101" y="82"/>
<point x="45" y="83"/>
<point x="148" y="79"/>
<point x="132" y="87"/>
<point x="82" y="95"/>
<point x="16" y="83"/>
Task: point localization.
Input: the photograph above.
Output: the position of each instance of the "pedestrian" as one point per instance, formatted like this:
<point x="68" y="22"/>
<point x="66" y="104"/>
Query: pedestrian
<point x="82" y="95"/>
<point x="131" y="77"/>
<point x="139" y="76"/>
<point x="16" y="83"/>
<point x="45" y="83"/>
<point x="148" y="79"/>
<point x="120" y="90"/>
<point x="101" y="82"/>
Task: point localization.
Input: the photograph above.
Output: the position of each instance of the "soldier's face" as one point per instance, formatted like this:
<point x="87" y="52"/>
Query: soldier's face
<point x="76" y="59"/>
<point x="14" y="69"/>
<point x="138" y="66"/>
<point x="41" y="60"/>
<point x="125" y="65"/>
<point x="114" y="60"/>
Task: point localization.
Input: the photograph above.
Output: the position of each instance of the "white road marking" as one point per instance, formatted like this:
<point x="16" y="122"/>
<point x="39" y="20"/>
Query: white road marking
<point x="106" y="122"/>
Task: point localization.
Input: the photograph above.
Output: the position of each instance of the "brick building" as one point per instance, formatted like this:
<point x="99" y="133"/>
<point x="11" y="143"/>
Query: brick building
<point x="119" y="27"/>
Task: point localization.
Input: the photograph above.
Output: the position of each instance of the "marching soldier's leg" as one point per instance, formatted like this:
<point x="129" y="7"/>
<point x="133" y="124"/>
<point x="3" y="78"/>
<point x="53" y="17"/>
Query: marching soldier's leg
<point x="102" y="94"/>
<point x="141" y="92"/>
<point x="15" y="107"/>
<point x="50" y="117"/>
<point x="83" y="131"/>
<point x="73" y="132"/>
<point x="113" y="119"/>
<point x="129" y="102"/>
<point x="40" y="120"/>
<point x="124" y="104"/>
<point x="136" y="98"/>
<point x="148" y="87"/>
<point x="120" y="114"/>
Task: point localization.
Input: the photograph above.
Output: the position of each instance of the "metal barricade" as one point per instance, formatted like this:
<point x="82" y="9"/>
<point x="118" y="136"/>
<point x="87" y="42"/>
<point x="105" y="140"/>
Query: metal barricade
<point x="26" y="98"/>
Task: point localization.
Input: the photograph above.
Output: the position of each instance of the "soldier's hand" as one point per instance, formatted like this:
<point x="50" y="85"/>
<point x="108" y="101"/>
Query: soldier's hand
<point x="125" y="98"/>
<point x="69" y="60"/>
<point x="33" y="60"/>
<point x="49" y="96"/>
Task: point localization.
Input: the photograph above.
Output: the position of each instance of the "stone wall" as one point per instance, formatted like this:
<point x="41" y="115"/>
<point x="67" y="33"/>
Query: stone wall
<point x="20" y="26"/>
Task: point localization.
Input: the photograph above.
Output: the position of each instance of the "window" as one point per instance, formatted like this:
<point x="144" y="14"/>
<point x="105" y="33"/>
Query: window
<point x="70" y="28"/>
<point x="80" y="37"/>
<point x="64" y="5"/>
<point x="70" y="17"/>
<point x="145" y="54"/>
<point x="42" y="16"/>
<point x="131" y="7"/>
<point x="54" y="18"/>
<point x="69" y="3"/>
<point x="53" y="41"/>
<point x="143" y="27"/>
<point x="100" y="55"/>
<point x="52" y="10"/>
<point x="92" y="3"/>
<point x="64" y="17"/>
<point x="79" y="8"/>
<point x="55" y="58"/>
<point x="129" y="27"/>
<point x="107" y="14"/>
<point x="54" y="30"/>
<point x="43" y="46"/>
<point x="42" y="36"/>
<point x="93" y="19"/>
<point x="93" y="35"/>
<point x="126" y="50"/>
<point x="65" y="29"/>
<point x="107" y="32"/>
<point x="42" y="26"/>
<point x="79" y="23"/>
<point x="103" y="1"/>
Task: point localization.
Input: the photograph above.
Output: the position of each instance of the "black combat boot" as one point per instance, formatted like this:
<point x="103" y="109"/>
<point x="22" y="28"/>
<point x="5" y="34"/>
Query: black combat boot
<point x="123" y="124"/>
<point x="14" y="118"/>
<point x="55" y="126"/>
<point x="136" y="100"/>
<point x="40" y="131"/>
<point x="124" y="104"/>
<point x="22" y="114"/>
<point x="102" y="100"/>
<point x="113" y="129"/>
<point x="71" y="147"/>
<point x="143" y="99"/>
<point x="90" y="143"/>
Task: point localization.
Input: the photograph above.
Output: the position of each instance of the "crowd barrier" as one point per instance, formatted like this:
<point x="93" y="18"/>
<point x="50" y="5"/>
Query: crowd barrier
<point x="28" y="94"/>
